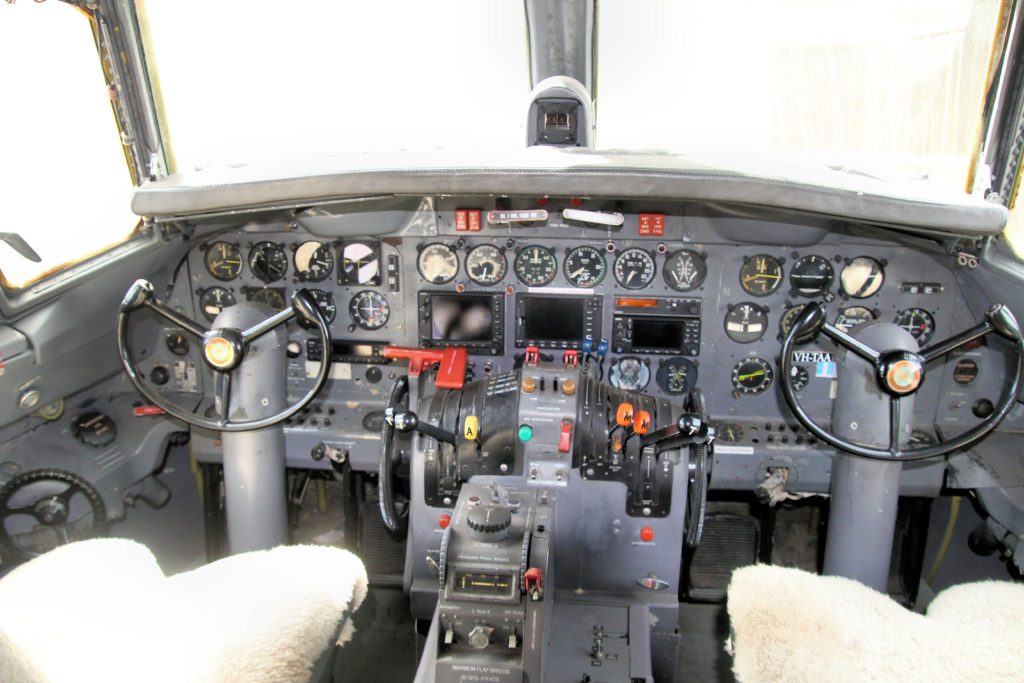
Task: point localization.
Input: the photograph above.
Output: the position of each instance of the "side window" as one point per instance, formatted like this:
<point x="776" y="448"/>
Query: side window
<point x="64" y="181"/>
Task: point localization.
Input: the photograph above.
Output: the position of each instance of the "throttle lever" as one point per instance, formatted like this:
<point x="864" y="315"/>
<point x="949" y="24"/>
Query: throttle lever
<point x="689" y="429"/>
<point x="407" y="421"/>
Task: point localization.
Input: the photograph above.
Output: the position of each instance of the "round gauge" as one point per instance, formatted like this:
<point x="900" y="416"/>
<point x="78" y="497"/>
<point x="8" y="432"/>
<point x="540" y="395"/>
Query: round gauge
<point x="223" y="261"/>
<point x="438" y="263"/>
<point x="746" y="322"/>
<point x="684" y="270"/>
<point x="918" y="322"/>
<point x="584" y="267"/>
<point x="629" y="373"/>
<point x="313" y="262"/>
<point x="730" y="433"/>
<point x="360" y="264"/>
<point x="752" y="376"/>
<point x="214" y="300"/>
<point x="676" y="375"/>
<point x="634" y="268"/>
<point x="965" y="371"/>
<point x="486" y="265"/>
<point x="267" y="295"/>
<point x="852" y="316"/>
<point x="177" y="344"/>
<point x="761" y="275"/>
<point x="369" y="310"/>
<point x="811" y="276"/>
<point x="535" y="266"/>
<point x="325" y="302"/>
<point x="268" y="262"/>
<point x="799" y="377"/>
<point x="861" y="277"/>
<point x="789" y="318"/>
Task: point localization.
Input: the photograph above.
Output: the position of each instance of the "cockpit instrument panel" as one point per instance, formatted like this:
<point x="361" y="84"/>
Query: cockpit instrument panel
<point x="668" y="300"/>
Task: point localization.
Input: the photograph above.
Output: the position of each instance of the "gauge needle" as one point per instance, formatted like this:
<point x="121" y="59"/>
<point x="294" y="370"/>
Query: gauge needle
<point x="751" y="375"/>
<point x="754" y="277"/>
<point x="577" y="273"/>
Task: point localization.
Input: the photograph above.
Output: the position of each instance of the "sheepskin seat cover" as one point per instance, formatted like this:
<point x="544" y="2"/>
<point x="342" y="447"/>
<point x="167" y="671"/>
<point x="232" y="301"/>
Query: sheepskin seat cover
<point x="790" y="625"/>
<point x="103" y="610"/>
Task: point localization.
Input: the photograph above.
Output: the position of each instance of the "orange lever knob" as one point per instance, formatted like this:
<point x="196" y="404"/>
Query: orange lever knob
<point x="642" y="422"/>
<point x="624" y="415"/>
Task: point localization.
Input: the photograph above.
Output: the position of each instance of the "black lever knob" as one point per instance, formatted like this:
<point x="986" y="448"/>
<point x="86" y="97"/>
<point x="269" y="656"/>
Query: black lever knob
<point x="408" y="421"/>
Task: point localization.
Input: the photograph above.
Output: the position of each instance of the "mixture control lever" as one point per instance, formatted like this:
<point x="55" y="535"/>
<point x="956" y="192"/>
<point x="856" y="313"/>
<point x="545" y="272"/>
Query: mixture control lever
<point x="689" y="429"/>
<point x="408" y="421"/>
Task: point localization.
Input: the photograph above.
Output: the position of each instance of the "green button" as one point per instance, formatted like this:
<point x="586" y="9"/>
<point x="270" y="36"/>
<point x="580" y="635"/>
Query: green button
<point x="525" y="432"/>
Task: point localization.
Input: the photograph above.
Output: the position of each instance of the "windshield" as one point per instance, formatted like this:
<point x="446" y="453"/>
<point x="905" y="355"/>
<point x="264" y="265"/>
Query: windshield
<point x="890" y="88"/>
<point x="242" y="81"/>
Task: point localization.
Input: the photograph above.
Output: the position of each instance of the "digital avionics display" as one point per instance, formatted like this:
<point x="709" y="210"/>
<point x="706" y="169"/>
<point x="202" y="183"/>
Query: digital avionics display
<point x="657" y="334"/>
<point x="462" y="317"/>
<point x="553" y="319"/>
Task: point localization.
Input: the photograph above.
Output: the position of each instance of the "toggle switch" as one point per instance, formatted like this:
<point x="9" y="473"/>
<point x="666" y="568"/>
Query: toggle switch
<point x="565" y="435"/>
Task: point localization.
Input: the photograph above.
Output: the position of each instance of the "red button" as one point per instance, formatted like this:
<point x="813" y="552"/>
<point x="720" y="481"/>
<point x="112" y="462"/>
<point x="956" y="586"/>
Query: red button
<point x="647" y="534"/>
<point x="473" y="222"/>
<point x="461" y="220"/>
<point x="444" y="521"/>
<point x="565" y="437"/>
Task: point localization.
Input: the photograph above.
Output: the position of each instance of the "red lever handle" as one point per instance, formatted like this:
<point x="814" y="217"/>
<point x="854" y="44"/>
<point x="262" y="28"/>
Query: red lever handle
<point x="451" y="374"/>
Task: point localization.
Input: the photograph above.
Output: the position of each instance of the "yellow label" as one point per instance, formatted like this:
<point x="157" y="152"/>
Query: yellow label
<point x="471" y="427"/>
